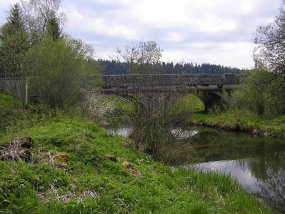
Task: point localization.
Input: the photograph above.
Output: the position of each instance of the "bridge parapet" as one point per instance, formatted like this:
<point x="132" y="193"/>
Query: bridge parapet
<point x="149" y="80"/>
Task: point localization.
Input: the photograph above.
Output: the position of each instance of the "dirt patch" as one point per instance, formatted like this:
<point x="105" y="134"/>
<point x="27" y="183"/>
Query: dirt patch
<point x="133" y="170"/>
<point x="57" y="159"/>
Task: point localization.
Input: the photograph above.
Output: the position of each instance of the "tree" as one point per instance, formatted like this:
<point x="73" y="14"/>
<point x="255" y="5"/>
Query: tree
<point x="143" y="58"/>
<point x="14" y="43"/>
<point x="42" y="18"/>
<point x="270" y="41"/>
<point x="269" y="56"/>
<point x="53" y="29"/>
<point x="255" y="94"/>
<point x="14" y="23"/>
<point x="15" y="20"/>
<point x="58" y="69"/>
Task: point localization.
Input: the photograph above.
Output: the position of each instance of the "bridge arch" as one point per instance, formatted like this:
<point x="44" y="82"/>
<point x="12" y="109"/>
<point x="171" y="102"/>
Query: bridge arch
<point x="212" y="98"/>
<point x="152" y="90"/>
<point x="160" y="101"/>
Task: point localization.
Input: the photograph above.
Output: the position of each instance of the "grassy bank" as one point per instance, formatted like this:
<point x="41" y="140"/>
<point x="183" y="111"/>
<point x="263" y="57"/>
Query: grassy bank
<point x="263" y="126"/>
<point x="93" y="181"/>
<point x="78" y="168"/>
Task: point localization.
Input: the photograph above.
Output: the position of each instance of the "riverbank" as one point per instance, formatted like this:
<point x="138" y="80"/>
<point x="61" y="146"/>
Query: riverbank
<point x="266" y="127"/>
<point x="103" y="174"/>
<point x="75" y="166"/>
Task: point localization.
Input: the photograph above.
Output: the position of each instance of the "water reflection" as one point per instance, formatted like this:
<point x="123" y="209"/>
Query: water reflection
<point x="273" y="190"/>
<point x="181" y="134"/>
<point x="122" y="130"/>
<point x="257" y="163"/>
<point x="126" y="131"/>
<point x="243" y="174"/>
<point x="265" y="177"/>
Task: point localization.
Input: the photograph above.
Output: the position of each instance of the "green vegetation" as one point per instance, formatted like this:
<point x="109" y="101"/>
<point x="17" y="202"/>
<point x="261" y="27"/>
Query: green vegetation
<point x="14" y="118"/>
<point x="274" y="126"/>
<point x="57" y="69"/>
<point x="257" y="106"/>
<point x="14" y="43"/>
<point x="260" y="92"/>
<point x="94" y="182"/>
<point x="77" y="167"/>
<point x="187" y="104"/>
<point x="35" y="48"/>
<point x="122" y="106"/>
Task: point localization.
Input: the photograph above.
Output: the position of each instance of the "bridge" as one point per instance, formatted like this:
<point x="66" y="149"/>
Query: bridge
<point x="152" y="89"/>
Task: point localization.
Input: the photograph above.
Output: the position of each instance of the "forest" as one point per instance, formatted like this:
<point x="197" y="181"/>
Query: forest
<point x="112" y="67"/>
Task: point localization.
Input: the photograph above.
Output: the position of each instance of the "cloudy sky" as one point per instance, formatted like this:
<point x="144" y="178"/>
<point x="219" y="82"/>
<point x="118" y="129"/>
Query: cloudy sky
<point x="198" y="31"/>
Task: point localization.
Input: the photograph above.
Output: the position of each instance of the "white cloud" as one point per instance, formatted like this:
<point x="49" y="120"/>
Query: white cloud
<point x="112" y="2"/>
<point x="246" y="6"/>
<point x="229" y="54"/>
<point x="98" y="25"/>
<point x="6" y="3"/>
<point x="174" y="37"/>
<point x="5" y="7"/>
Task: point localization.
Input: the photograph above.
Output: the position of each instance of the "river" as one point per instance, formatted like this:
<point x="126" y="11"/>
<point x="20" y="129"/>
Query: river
<point x="257" y="163"/>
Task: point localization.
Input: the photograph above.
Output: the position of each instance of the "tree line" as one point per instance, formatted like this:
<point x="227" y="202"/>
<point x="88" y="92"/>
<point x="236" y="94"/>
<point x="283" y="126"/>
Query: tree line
<point x="113" y="67"/>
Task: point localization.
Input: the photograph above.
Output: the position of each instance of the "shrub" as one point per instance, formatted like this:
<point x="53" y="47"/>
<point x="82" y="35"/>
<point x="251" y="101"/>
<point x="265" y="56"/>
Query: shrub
<point x="57" y="70"/>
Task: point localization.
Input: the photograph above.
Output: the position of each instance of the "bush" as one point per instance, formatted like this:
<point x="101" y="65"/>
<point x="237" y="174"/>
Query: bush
<point x="261" y="93"/>
<point x="57" y="70"/>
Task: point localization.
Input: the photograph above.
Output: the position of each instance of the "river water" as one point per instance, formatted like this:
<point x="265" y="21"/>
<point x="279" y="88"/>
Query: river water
<point x="257" y="163"/>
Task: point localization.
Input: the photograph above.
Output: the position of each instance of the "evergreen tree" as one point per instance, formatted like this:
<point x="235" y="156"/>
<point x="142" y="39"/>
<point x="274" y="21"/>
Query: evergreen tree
<point x="14" y="43"/>
<point x="53" y="29"/>
<point x="15" y="20"/>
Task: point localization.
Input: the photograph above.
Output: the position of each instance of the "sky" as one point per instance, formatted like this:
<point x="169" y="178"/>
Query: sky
<point x="198" y="31"/>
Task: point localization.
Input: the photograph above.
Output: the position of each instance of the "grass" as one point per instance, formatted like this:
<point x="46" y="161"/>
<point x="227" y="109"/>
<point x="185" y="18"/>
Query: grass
<point x="267" y="126"/>
<point x="187" y="104"/>
<point x="94" y="184"/>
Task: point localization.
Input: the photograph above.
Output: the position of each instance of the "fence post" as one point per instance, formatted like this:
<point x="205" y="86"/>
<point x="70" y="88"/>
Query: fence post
<point x="26" y="91"/>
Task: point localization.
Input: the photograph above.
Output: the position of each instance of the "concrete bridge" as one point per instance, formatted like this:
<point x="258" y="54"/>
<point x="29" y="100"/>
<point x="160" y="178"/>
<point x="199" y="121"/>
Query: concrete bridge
<point x="154" y="89"/>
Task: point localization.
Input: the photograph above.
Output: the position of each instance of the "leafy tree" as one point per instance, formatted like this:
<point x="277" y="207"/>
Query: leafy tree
<point x="143" y="58"/>
<point x="255" y="93"/>
<point x="42" y="18"/>
<point x="262" y="90"/>
<point x="58" y="69"/>
<point x="270" y="41"/>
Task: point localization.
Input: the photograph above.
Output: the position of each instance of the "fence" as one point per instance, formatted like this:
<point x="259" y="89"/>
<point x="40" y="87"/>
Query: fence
<point x="16" y="87"/>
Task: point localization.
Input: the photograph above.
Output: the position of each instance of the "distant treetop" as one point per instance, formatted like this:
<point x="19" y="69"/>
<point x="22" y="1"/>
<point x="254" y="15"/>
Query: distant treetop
<point x="116" y="68"/>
